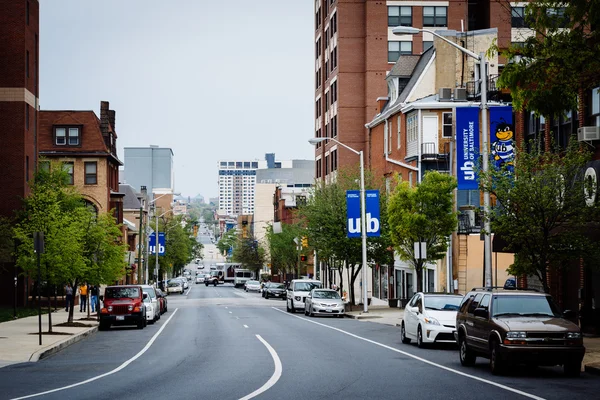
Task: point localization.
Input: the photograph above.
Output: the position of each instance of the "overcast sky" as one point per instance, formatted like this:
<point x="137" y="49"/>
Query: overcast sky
<point x="210" y="79"/>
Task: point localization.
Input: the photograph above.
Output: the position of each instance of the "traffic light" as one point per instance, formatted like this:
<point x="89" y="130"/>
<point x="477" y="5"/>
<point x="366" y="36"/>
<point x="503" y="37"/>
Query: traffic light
<point x="304" y="241"/>
<point x="303" y="257"/>
<point x="195" y="230"/>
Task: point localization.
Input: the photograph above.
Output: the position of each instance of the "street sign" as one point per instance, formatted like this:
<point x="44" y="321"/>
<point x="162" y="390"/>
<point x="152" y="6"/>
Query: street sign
<point x="161" y="243"/>
<point x="372" y="213"/>
<point x="467" y="147"/>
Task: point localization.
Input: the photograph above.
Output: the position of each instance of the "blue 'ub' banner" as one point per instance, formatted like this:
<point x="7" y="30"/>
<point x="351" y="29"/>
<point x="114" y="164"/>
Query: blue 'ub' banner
<point x="372" y="211"/>
<point x="502" y="138"/>
<point x="467" y="147"/>
<point x="353" y="213"/>
<point x="161" y="243"/>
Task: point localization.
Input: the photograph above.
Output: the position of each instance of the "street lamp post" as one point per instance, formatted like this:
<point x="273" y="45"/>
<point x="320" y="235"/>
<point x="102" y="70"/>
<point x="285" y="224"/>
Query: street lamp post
<point x="487" y="241"/>
<point x="156" y="234"/>
<point x="363" y="218"/>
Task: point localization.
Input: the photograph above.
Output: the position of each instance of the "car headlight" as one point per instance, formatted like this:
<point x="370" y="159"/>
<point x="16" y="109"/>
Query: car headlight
<point x="323" y="305"/>
<point x="431" y="321"/>
<point x="573" y="335"/>
<point x="516" y="335"/>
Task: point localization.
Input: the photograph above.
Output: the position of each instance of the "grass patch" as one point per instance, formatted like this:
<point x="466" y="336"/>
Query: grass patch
<point x="6" y="313"/>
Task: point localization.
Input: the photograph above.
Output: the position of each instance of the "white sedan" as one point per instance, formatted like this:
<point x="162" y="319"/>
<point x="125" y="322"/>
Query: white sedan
<point x="324" y="302"/>
<point x="252" y="286"/>
<point x="430" y="318"/>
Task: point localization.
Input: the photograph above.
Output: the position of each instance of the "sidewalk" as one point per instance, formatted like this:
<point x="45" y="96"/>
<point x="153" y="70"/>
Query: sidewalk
<point x="393" y="316"/>
<point x="19" y="339"/>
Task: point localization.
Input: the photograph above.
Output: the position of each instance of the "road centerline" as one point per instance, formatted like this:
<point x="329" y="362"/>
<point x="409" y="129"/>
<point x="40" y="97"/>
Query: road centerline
<point x="498" y="385"/>
<point x="276" y="374"/>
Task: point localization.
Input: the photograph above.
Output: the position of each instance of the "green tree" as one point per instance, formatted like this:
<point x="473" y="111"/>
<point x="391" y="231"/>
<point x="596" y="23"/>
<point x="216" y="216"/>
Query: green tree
<point x="545" y="73"/>
<point x="283" y="250"/>
<point x="181" y="247"/>
<point x="227" y="241"/>
<point x="249" y="253"/>
<point x="542" y="213"/>
<point x="422" y="214"/>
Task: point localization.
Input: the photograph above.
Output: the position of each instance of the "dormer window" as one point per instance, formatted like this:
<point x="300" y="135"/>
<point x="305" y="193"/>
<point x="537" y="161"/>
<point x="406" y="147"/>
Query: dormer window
<point x="67" y="135"/>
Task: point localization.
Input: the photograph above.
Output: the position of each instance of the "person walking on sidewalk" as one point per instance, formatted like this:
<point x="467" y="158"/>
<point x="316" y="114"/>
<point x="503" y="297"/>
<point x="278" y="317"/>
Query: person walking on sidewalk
<point x="83" y="291"/>
<point x="93" y="297"/>
<point x="68" y="297"/>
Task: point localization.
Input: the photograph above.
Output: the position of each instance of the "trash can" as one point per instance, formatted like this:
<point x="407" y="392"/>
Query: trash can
<point x="393" y="303"/>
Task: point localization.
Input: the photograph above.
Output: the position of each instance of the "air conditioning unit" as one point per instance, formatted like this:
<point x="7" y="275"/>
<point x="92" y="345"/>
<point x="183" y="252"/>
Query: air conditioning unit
<point x="460" y="94"/>
<point x="588" y="133"/>
<point x="445" y="94"/>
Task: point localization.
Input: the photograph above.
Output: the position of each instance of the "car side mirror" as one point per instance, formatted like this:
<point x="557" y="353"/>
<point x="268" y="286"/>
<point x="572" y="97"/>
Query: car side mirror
<point x="414" y="309"/>
<point x="309" y="296"/>
<point x="481" y="313"/>
<point x="145" y="296"/>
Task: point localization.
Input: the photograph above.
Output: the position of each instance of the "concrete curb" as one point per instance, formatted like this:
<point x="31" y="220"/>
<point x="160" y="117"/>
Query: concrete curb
<point x="363" y="316"/>
<point x="56" y="347"/>
<point x="592" y="368"/>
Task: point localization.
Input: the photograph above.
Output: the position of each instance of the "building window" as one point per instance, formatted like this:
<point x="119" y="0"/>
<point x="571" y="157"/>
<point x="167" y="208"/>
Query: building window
<point x="390" y="130"/>
<point x="27" y="62"/>
<point x="447" y="125"/>
<point x="44" y="166"/>
<point x="399" y="16"/>
<point x="26" y="168"/>
<point x="326" y="69"/>
<point x="557" y="17"/>
<point x="91" y="173"/>
<point x="326" y="34"/>
<point x="334" y="58"/>
<point x="411" y="128"/>
<point x="517" y="18"/>
<point x="334" y="126"/>
<point x="318" y="168"/>
<point x="334" y="160"/>
<point x="68" y="168"/>
<point x="26" y="116"/>
<point x="398" y="125"/>
<point x="427" y="44"/>
<point x="66" y="136"/>
<point x="318" y="107"/>
<point x="395" y="49"/>
<point x="435" y="16"/>
<point x="333" y="92"/>
<point x="318" y="18"/>
<point x="27" y="14"/>
<point x="333" y="24"/>
<point x="318" y="48"/>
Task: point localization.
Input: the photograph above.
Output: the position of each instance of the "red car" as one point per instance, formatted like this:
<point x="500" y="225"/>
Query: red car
<point x="162" y="299"/>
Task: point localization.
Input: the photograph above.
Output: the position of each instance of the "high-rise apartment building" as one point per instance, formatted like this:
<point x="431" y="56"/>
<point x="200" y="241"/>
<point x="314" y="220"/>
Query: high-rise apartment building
<point x="355" y="48"/>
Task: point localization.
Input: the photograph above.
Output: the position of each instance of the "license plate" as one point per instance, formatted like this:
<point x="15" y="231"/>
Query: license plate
<point x="328" y="309"/>
<point x="120" y="318"/>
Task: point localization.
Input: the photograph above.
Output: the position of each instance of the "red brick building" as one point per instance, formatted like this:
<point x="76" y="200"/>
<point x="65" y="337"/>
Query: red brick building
<point x="19" y="99"/>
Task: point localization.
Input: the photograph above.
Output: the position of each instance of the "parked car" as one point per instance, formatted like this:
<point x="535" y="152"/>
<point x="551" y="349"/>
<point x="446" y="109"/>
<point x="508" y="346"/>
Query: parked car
<point x="184" y="282"/>
<point x="274" y="289"/>
<point x="123" y="305"/>
<point x="430" y="318"/>
<point x="152" y="304"/>
<point x="199" y="278"/>
<point x="517" y="326"/>
<point x="163" y="300"/>
<point x="252" y="286"/>
<point x="324" y="302"/>
<point x="297" y="291"/>
<point x="175" y="286"/>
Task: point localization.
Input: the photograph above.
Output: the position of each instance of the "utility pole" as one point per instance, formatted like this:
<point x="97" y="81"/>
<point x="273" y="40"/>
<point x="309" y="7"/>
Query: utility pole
<point x="140" y="242"/>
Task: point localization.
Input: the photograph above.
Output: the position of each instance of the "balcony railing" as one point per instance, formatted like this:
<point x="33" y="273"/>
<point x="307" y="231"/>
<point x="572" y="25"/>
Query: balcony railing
<point x="474" y="87"/>
<point x="430" y="151"/>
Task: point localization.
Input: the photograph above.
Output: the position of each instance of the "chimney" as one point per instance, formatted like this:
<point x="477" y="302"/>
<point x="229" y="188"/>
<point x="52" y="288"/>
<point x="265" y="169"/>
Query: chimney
<point x="111" y="119"/>
<point x="381" y="102"/>
<point x="104" y="118"/>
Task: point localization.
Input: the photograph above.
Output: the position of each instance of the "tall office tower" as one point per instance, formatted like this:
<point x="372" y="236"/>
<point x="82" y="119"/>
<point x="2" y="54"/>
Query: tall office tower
<point x="237" y="180"/>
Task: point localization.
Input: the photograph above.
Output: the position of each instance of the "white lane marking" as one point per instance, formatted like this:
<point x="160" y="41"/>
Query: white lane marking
<point x="508" y="388"/>
<point x="230" y="312"/>
<point x="226" y="307"/>
<point x="119" y="368"/>
<point x="245" y="326"/>
<point x="276" y="374"/>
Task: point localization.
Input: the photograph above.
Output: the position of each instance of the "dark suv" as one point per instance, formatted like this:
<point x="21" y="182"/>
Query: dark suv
<point x="517" y="326"/>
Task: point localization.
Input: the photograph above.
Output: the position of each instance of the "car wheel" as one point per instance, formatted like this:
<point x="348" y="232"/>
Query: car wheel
<point x="467" y="357"/>
<point x="403" y="337"/>
<point x="311" y="312"/>
<point x="140" y="324"/>
<point x="287" y="306"/>
<point x="215" y="284"/>
<point x="206" y="283"/>
<point x="420" y="343"/>
<point x="572" y="369"/>
<point x="305" y="312"/>
<point x="266" y="296"/>
<point x="104" y="326"/>
<point x="496" y="362"/>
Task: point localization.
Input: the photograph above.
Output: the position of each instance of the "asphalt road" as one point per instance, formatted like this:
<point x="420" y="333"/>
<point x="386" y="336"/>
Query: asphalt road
<point x="223" y="343"/>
